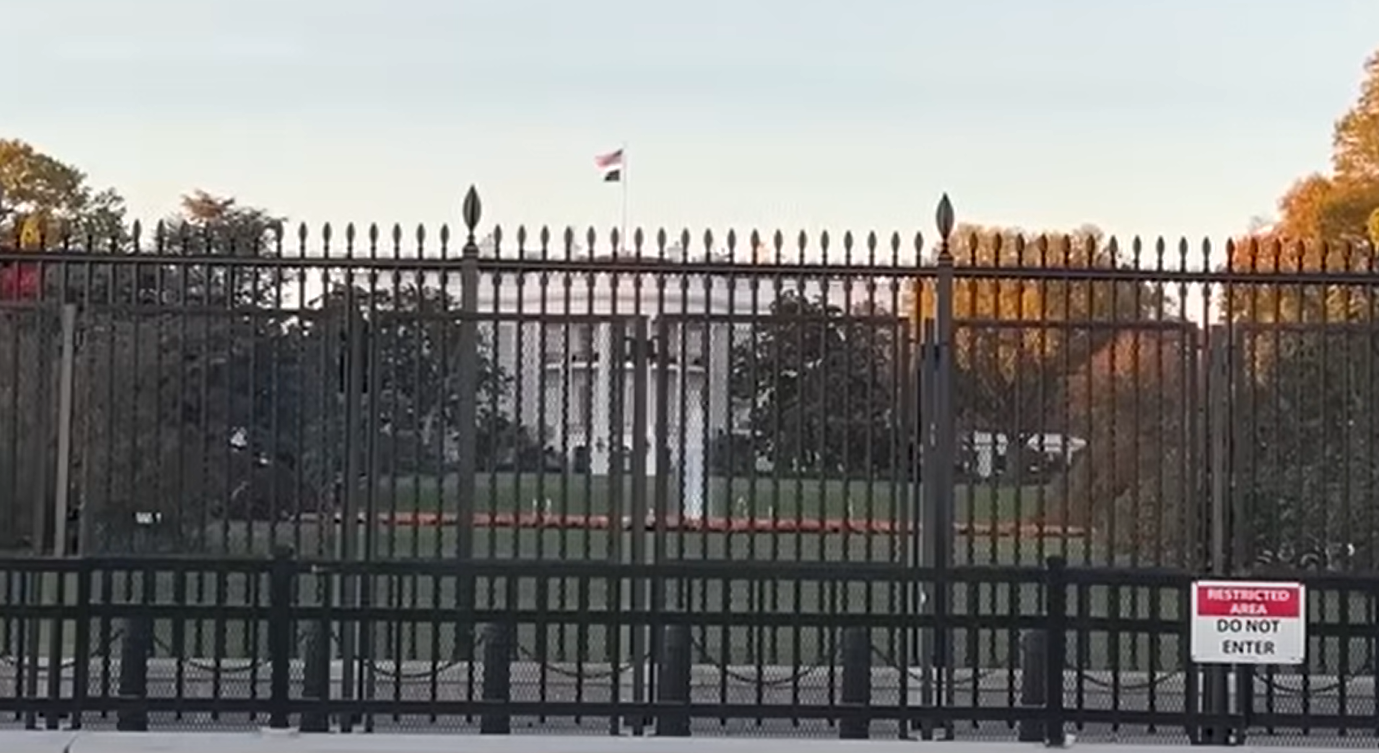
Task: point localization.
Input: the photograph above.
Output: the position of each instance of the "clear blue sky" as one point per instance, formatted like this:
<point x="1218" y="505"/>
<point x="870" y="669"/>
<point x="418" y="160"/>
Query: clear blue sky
<point x="1151" y="116"/>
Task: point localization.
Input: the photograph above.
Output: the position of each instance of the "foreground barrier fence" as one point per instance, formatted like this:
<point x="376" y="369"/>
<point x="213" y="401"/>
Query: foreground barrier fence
<point x="673" y="649"/>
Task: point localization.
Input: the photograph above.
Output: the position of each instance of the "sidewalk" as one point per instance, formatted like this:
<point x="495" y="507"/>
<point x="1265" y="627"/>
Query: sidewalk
<point x="291" y="742"/>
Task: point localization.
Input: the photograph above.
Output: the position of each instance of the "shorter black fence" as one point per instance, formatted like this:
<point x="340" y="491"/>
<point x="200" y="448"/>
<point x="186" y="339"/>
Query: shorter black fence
<point x="679" y="648"/>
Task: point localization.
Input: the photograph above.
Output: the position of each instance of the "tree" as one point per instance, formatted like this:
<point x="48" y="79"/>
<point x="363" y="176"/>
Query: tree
<point x="1338" y="207"/>
<point x="1017" y="338"/>
<point x="1306" y="472"/>
<point x="413" y="358"/>
<point x="1319" y="207"/>
<point x="1306" y="359"/>
<point x="42" y="199"/>
<point x="47" y="202"/>
<point x="1355" y="142"/>
<point x="193" y="404"/>
<point x="42" y="196"/>
<point x="820" y="385"/>
<point x="1132" y="482"/>
<point x="1306" y="403"/>
<point x="241" y="230"/>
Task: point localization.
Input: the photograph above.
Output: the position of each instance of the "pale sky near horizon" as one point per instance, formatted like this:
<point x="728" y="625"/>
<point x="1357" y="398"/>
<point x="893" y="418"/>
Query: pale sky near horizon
<point x="1165" y="116"/>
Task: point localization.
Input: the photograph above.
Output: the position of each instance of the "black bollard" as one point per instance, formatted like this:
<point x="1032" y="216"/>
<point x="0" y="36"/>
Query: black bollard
<point x="282" y="578"/>
<point x="856" y="684"/>
<point x="497" y="688"/>
<point x="134" y="654"/>
<point x="316" y="677"/>
<point x="673" y="683"/>
<point x="465" y="633"/>
<point x="1033" y="682"/>
<point x="1219" y="729"/>
<point x="1056" y="651"/>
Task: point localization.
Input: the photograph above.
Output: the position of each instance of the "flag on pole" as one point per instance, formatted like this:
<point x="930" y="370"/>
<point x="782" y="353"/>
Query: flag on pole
<point x="610" y="165"/>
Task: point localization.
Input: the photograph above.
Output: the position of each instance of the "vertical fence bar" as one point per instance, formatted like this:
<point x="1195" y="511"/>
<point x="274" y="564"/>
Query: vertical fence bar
<point x="903" y="476"/>
<point x="639" y="511"/>
<point x="928" y="513"/>
<point x="1216" y="416"/>
<point x="466" y="417"/>
<point x="44" y="416"/>
<point x="617" y="428"/>
<point x="62" y="488"/>
<point x="662" y="493"/>
<point x="349" y="514"/>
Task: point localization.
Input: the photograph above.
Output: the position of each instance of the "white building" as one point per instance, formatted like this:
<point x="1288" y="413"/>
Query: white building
<point x="559" y="345"/>
<point x="565" y="370"/>
<point x="988" y="449"/>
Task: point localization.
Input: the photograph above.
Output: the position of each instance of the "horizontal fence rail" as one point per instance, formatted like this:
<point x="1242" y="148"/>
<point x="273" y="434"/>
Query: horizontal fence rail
<point x="438" y="423"/>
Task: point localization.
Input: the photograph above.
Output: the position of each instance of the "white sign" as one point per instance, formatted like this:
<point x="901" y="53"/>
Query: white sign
<point x="1248" y="622"/>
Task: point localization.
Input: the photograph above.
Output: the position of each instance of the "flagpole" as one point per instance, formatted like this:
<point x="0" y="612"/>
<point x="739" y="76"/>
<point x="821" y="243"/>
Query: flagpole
<point x="623" y="232"/>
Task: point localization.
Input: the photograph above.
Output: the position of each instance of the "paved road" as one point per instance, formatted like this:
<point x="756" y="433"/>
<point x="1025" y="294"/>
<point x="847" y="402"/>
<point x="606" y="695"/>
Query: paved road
<point x="258" y="741"/>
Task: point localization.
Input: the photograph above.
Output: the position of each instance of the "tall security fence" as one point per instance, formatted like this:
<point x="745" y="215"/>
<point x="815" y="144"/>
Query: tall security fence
<point x="867" y="403"/>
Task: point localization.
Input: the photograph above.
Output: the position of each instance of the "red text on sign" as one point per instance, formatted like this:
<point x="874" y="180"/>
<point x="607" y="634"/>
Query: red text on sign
<point x="1249" y="601"/>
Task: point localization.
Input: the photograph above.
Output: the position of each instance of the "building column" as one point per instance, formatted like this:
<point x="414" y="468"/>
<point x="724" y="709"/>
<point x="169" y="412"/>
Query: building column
<point x="600" y="449"/>
<point x="692" y="455"/>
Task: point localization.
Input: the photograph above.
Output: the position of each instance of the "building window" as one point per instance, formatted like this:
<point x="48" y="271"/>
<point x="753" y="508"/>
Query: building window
<point x="575" y="341"/>
<point x="687" y="341"/>
<point x="582" y="348"/>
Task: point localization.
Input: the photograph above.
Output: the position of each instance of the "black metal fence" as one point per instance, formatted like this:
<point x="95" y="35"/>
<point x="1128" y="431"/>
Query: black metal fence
<point x="668" y="649"/>
<point x="384" y="400"/>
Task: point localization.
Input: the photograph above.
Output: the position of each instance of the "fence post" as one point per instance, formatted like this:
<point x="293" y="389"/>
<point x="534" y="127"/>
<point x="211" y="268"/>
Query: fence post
<point x="944" y="444"/>
<point x="497" y="687"/>
<point x="466" y="415"/>
<point x="927" y="543"/>
<point x="1217" y="680"/>
<point x="1034" y="682"/>
<point x="942" y="396"/>
<point x="280" y="635"/>
<point x="673" y="678"/>
<point x="855" y="724"/>
<point x="1056" y="614"/>
<point x="62" y="488"/>
<point x="134" y="654"/>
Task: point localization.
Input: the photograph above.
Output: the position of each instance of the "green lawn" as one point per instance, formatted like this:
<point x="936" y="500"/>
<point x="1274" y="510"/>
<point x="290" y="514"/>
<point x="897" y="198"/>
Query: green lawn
<point x="431" y="542"/>
<point x="988" y="511"/>
<point x="764" y="496"/>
